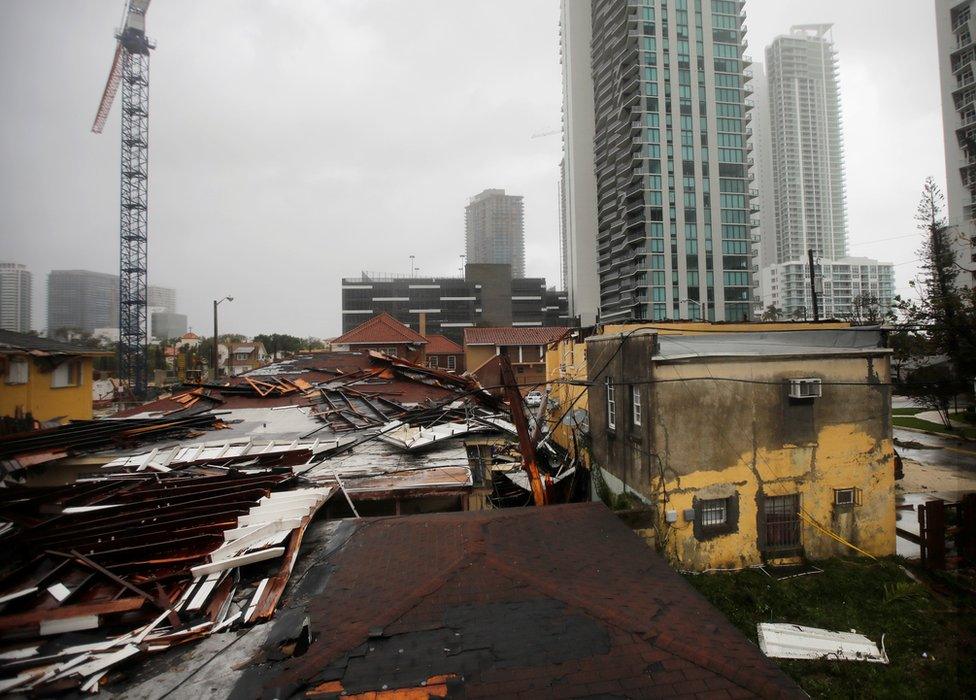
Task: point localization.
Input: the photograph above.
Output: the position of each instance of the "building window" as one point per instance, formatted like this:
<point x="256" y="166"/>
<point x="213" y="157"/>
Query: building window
<point x="18" y="371"/>
<point x="452" y="362"/>
<point x="714" y="517"/>
<point x="637" y="405"/>
<point x="611" y="405"/>
<point x="432" y="361"/>
<point x="66" y="374"/>
<point x="847" y="497"/>
<point x="389" y="351"/>
<point x="714" y="512"/>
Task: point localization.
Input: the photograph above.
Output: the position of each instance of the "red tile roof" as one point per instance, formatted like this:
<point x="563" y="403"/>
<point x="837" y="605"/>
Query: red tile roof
<point x="382" y="328"/>
<point x="442" y="345"/>
<point x="514" y="335"/>
<point x="557" y="601"/>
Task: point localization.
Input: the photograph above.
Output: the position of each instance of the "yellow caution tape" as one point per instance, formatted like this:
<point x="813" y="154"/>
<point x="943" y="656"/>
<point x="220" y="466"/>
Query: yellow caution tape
<point x="806" y="517"/>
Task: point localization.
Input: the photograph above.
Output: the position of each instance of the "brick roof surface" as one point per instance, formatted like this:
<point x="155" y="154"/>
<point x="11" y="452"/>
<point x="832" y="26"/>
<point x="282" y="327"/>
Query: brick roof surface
<point x="442" y="345"/>
<point x="558" y="601"/>
<point x="514" y="335"/>
<point x="382" y="328"/>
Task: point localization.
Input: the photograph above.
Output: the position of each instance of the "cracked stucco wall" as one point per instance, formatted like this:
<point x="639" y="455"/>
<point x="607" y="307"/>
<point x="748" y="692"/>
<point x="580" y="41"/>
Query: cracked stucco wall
<point x="728" y="426"/>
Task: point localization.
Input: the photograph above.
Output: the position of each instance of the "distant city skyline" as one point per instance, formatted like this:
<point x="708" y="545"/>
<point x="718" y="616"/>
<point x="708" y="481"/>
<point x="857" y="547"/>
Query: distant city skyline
<point x="307" y="184"/>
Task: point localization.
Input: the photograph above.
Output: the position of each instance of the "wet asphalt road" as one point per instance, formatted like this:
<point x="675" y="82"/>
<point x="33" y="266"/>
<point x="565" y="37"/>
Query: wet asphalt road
<point x="947" y="452"/>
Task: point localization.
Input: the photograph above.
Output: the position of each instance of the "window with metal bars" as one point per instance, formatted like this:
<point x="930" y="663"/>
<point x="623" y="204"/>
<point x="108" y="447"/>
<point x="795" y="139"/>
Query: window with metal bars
<point x="714" y="512"/>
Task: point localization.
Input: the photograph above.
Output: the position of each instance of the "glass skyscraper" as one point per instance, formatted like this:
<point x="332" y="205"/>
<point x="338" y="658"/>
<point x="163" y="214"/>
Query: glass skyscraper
<point x="671" y="158"/>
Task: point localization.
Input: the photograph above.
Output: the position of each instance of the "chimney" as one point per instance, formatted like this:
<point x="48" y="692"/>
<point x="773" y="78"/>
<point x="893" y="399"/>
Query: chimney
<point x="423" y="323"/>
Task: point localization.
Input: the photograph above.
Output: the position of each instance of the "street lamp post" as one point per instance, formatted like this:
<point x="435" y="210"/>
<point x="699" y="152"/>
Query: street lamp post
<point x="701" y="307"/>
<point x="215" y="356"/>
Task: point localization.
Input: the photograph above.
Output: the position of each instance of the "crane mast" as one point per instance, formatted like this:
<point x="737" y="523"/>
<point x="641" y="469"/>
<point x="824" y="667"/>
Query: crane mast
<point x="130" y="70"/>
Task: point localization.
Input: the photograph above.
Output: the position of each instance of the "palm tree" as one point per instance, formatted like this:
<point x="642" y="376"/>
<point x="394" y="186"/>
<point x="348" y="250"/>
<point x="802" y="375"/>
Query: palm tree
<point x="772" y="313"/>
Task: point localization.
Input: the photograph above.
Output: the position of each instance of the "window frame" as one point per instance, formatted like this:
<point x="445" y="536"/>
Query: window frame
<point x="710" y="506"/>
<point x="730" y="510"/>
<point x="9" y="379"/>
<point x="611" y="404"/>
<point x="452" y="362"/>
<point x="635" y="408"/>
<point x="73" y="369"/>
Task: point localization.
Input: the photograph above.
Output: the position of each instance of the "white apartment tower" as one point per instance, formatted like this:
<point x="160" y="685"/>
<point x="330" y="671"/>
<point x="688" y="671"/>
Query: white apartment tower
<point x="578" y="183"/>
<point x="15" y="297"/>
<point x="803" y="170"/>
<point x="808" y="159"/>
<point x="957" y="71"/>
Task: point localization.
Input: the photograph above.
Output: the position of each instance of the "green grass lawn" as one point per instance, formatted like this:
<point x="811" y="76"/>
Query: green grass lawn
<point x="874" y="598"/>
<point x="964" y="417"/>
<point x="906" y="411"/>
<point x="912" y="422"/>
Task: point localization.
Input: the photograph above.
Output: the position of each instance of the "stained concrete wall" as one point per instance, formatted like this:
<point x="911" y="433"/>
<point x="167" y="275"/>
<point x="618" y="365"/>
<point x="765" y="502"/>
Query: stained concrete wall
<point x="727" y="429"/>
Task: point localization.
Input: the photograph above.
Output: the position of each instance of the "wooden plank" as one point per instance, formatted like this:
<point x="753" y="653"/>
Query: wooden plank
<point x="65" y="611"/>
<point x="243" y="560"/>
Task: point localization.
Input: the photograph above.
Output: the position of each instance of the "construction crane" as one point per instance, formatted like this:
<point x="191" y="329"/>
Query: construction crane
<point x="130" y="69"/>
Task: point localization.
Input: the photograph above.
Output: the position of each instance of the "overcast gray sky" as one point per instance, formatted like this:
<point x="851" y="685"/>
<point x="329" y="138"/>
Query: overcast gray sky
<point x="294" y="142"/>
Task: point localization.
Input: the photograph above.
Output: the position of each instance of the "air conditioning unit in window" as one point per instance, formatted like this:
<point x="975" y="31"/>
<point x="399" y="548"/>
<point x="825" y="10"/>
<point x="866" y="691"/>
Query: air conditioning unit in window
<point x="805" y="389"/>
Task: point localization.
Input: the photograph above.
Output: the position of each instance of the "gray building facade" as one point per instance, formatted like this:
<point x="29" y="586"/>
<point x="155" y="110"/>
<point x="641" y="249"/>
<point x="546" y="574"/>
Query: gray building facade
<point x="82" y="300"/>
<point x="16" y="288"/>
<point x="671" y="155"/>
<point x="494" y="230"/>
<point x="486" y="296"/>
<point x="164" y="325"/>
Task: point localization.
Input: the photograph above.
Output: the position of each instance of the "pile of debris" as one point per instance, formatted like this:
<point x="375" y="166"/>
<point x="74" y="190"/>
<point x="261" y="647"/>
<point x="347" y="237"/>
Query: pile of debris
<point x="107" y="568"/>
<point x="138" y="533"/>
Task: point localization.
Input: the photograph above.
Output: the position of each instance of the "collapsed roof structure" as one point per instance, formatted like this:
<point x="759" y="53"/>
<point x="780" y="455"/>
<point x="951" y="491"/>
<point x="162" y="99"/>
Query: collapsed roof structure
<point x="184" y="517"/>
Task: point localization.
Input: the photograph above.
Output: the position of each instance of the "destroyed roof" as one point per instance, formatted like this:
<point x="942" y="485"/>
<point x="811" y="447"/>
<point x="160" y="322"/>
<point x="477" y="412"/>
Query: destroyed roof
<point x="438" y="344"/>
<point x="514" y="335"/>
<point x="382" y="328"/>
<point x="16" y="343"/>
<point x="527" y="602"/>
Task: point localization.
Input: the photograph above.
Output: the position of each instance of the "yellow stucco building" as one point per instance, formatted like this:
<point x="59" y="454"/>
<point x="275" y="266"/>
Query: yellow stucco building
<point x="749" y="447"/>
<point x="44" y="378"/>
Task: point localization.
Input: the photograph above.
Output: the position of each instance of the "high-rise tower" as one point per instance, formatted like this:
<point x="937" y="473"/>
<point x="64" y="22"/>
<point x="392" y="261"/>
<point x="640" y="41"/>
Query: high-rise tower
<point x="494" y="230"/>
<point x="671" y="158"/>
<point x="800" y="151"/>
<point x="578" y="183"/>
<point x="808" y="157"/>
<point x="957" y="69"/>
<point x="15" y="297"/>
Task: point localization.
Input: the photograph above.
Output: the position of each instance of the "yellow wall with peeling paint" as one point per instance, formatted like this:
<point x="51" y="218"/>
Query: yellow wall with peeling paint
<point x="725" y="428"/>
<point x="734" y="421"/>
<point x="45" y="402"/>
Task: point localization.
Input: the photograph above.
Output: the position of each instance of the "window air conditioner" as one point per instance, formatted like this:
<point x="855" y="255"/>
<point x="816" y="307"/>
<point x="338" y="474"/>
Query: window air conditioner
<point x="805" y="389"/>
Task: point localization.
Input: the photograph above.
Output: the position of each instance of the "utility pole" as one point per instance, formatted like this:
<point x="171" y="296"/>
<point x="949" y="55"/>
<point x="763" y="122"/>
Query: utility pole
<point x="214" y="355"/>
<point x="813" y="285"/>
